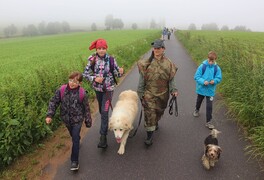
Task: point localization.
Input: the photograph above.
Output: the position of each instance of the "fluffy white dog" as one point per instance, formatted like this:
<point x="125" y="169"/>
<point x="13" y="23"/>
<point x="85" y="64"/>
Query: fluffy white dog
<point x="123" y="116"/>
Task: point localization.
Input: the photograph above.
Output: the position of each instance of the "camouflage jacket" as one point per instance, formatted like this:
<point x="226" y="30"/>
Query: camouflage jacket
<point x="72" y="111"/>
<point x="157" y="82"/>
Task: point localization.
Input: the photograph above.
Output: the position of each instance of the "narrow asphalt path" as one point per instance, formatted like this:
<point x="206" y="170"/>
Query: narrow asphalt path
<point x="178" y="144"/>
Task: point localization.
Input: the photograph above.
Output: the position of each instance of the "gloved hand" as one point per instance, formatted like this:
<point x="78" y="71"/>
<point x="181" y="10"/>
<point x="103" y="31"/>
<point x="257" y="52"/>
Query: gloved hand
<point x="88" y="124"/>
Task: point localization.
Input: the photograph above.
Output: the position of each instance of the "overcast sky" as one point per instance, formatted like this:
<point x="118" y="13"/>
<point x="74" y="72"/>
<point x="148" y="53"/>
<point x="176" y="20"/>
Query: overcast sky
<point x="176" y="13"/>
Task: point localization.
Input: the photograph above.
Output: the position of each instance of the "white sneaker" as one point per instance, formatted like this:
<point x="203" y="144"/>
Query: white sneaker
<point x="209" y="125"/>
<point x="196" y="113"/>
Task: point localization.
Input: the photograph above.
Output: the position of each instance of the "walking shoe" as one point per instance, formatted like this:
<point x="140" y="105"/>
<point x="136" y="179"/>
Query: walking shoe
<point x="103" y="142"/>
<point x="196" y="113"/>
<point x="209" y="125"/>
<point x="74" y="166"/>
<point x="148" y="141"/>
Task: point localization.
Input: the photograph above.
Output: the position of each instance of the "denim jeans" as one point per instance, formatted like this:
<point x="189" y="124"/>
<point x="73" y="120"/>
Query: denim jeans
<point x="74" y="131"/>
<point x="209" y="106"/>
<point x="104" y="101"/>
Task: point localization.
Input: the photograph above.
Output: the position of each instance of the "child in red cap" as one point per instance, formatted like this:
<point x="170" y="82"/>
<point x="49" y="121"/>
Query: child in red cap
<point x="101" y="70"/>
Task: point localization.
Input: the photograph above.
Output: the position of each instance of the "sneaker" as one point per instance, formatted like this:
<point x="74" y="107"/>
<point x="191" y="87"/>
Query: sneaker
<point x="209" y="125"/>
<point x="196" y="113"/>
<point x="74" y="166"/>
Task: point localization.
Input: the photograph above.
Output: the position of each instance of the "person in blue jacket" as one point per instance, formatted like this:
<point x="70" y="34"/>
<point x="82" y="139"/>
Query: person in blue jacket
<point x="207" y="76"/>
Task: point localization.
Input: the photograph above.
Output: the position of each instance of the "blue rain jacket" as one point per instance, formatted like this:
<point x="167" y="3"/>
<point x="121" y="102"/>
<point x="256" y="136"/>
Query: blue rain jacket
<point x="208" y="75"/>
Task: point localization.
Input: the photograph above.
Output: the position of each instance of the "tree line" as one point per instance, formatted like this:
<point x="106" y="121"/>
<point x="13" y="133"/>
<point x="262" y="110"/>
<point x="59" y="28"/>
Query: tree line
<point x="42" y="29"/>
<point x="214" y="27"/>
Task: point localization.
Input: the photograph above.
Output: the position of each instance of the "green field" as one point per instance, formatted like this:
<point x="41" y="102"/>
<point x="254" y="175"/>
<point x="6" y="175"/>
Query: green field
<point x="31" y="69"/>
<point x="24" y="55"/>
<point x="241" y="58"/>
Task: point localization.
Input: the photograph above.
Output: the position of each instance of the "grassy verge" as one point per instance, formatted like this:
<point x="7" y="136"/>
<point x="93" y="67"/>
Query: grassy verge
<point x="241" y="58"/>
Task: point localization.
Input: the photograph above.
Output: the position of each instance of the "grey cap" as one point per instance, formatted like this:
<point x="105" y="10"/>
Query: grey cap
<point x="158" y="43"/>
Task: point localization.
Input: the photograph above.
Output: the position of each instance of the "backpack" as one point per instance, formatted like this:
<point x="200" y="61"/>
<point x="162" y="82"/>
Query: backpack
<point x="112" y="66"/>
<point x="81" y="92"/>
<point x="204" y="67"/>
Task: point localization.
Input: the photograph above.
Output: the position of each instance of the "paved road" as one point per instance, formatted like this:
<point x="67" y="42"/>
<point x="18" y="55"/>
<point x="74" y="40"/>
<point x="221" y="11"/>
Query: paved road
<point x="178" y="144"/>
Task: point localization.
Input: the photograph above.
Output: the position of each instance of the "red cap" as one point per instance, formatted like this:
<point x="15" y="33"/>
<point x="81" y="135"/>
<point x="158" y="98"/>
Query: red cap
<point x="99" y="43"/>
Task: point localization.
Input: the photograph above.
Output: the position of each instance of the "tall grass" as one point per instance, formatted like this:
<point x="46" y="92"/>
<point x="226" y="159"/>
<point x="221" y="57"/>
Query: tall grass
<point x="33" y="68"/>
<point x="241" y="58"/>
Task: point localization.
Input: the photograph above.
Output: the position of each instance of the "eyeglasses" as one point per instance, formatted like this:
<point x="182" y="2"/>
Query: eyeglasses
<point x="73" y="81"/>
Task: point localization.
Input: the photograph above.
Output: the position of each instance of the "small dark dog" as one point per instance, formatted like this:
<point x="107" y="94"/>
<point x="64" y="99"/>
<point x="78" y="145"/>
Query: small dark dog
<point x="212" y="150"/>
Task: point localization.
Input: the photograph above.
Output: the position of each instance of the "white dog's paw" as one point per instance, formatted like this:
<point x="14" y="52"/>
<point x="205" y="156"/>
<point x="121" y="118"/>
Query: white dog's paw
<point x="121" y="150"/>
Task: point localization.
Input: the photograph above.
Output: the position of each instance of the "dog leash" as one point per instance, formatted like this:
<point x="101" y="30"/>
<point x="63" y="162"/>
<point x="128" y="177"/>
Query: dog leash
<point x="173" y="100"/>
<point x="135" y="132"/>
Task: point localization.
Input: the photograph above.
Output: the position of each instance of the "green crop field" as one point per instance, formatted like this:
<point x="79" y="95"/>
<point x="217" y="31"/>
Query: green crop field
<point x="24" y="55"/>
<point x="241" y="58"/>
<point x="31" y="69"/>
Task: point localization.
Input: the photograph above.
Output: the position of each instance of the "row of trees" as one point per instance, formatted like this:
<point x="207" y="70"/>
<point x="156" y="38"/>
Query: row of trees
<point x="214" y="27"/>
<point x="42" y="29"/>
<point x="63" y="27"/>
<point x="110" y="23"/>
<point x="116" y="23"/>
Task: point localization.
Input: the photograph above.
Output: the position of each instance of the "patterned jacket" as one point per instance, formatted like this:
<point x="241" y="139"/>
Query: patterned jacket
<point x="101" y="69"/>
<point x="72" y="111"/>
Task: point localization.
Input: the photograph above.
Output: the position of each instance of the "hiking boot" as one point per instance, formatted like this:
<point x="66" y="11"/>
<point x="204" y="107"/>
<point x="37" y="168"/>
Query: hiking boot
<point x="74" y="166"/>
<point x="148" y="141"/>
<point x="196" y="113"/>
<point x="209" y="125"/>
<point x="157" y="127"/>
<point x="103" y="142"/>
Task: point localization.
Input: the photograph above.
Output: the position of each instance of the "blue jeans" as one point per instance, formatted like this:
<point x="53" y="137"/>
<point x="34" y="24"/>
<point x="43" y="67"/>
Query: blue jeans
<point x="74" y="131"/>
<point x="209" y="106"/>
<point x="104" y="101"/>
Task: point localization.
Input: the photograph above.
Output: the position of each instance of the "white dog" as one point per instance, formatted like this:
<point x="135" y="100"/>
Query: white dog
<point x="123" y="116"/>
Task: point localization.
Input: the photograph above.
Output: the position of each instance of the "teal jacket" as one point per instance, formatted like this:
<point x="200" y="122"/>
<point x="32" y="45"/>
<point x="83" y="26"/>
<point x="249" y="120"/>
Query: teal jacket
<point x="208" y="75"/>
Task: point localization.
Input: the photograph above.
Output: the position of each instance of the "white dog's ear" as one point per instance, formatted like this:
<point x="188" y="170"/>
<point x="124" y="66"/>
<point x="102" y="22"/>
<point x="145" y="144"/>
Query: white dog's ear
<point x="110" y="125"/>
<point x="127" y="126"/>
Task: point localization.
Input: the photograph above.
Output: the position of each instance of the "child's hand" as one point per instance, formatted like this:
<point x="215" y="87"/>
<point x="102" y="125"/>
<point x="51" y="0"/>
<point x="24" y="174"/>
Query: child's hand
<point x="48" y="120"/>
<point x="99" y="80"/>
<point x="121" y="70"/>
<point x="212" y="82"/>
<point x="206" y="83"/>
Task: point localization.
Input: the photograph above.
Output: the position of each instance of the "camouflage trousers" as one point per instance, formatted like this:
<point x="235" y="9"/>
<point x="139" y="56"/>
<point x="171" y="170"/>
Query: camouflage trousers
<point x="151" y="117"/>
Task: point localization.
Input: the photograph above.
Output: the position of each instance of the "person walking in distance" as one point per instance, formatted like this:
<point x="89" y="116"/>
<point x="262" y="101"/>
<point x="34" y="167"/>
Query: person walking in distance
<point x="156" y="84"/>
<point x="207" y="76"/>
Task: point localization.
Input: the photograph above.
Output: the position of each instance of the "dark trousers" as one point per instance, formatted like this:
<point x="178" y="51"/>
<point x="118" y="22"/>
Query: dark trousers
<point x="74" y="131"/>
<point x="104" y="101"/>
<point x="209" y="106"/>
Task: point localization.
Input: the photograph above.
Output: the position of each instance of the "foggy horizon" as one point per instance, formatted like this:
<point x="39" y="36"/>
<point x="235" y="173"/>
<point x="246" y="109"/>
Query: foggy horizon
<point x="174" y="13"/>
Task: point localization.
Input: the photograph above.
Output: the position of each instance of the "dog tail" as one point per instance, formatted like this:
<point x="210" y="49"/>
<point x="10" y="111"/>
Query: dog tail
<point x="215" y="132"/>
